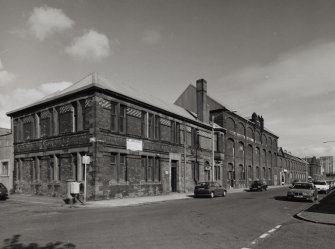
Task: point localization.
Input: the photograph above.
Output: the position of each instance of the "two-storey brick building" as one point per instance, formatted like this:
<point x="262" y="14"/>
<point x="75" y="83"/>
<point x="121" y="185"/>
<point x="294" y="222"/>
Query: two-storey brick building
<point x="139" y="145"/>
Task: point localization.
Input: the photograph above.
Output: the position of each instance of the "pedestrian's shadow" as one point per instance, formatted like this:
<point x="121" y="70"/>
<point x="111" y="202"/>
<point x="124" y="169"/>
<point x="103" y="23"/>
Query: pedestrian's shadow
<point x="14" y="243"/>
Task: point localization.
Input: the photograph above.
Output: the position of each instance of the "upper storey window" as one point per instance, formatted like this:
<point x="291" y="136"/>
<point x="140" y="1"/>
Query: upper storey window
<point x="28" y="128"/>
<point x="45" y="123"/>
<point x="66" y="119"/>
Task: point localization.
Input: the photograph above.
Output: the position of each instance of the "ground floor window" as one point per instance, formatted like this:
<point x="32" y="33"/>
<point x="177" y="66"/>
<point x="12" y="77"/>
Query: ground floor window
<point x="217" y="172"/>
<point x="195" y="171"/>
<point x="4" y="168"/>
<point x="150" y="169"/>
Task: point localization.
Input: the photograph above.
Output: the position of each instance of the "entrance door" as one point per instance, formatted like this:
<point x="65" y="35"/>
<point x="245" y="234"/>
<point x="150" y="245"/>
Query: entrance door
<point x="173" y="176"/>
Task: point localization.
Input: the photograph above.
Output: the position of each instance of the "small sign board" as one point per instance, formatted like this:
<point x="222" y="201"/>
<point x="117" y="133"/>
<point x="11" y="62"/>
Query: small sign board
<point x="134" y="144"/>
<point x="86" y="160"/>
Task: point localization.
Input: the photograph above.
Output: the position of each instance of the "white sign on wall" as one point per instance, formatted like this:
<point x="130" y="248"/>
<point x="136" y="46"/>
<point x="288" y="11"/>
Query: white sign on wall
<point x="86" y="160"/>
<point x="134" y="144"/>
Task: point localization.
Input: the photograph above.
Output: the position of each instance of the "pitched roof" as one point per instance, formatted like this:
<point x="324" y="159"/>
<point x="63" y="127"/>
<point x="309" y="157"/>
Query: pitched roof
<point x="95" y="80"/>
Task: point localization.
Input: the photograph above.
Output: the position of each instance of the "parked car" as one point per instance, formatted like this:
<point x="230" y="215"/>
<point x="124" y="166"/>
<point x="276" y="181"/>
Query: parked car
<point x="258" y="185"/>
<point x="3" y="192"/>
<point x="322" y="186"/>
<point x="210" y="189"/>
<point x="303" y="191"/>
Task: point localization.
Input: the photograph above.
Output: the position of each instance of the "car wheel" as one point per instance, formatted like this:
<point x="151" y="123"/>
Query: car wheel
<point x="224" y="193"/>
<point x="212" y="194"/>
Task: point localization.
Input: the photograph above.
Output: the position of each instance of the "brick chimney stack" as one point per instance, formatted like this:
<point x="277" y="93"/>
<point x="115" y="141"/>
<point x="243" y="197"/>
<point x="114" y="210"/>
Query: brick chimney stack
<point x="202" y="110"/>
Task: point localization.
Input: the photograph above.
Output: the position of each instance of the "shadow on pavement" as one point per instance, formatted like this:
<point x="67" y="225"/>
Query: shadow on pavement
<point x="14" y="243"/>
<point x="325" y="205"/>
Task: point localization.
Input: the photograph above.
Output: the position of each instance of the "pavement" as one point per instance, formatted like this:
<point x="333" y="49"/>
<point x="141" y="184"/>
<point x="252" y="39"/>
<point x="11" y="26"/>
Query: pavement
<point x="58" y="202"/>
<point x="322" y="212"/>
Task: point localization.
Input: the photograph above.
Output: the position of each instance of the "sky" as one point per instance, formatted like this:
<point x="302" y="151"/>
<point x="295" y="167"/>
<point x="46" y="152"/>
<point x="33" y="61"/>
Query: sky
<point x="272" y="57"/>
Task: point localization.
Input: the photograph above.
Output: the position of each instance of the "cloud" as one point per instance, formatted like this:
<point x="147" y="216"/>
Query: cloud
<point x="294" y="93"/>
<point x="151" y="37"/>
<point x="5" y="76"/>
<point x="44" y="21"/>
<point x="92" y="46"/>
<point x="22" y="96"/>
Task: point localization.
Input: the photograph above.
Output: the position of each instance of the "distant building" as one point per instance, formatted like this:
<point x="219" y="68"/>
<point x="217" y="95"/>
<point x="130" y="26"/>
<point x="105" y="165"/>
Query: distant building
<point x="314" y="168"/>
<point x="292" y="167"/>
<point x="327" y="165"/>
<point x="6" y="157"/>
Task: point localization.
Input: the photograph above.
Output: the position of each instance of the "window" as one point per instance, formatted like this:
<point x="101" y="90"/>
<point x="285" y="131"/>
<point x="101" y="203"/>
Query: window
<point x="242" y="172"/>
<point x="194" y="138"/>
<point x="28" y="128"/>
<point x="114" y="166"/>
<point x="151" y="126"/>
<point x="250" y="172"/>
<point x="45" y="124"/>
<point x="144" y="168"/>
<point x="66" y="119"/>
<point x="195" y="171"/>
<point x="173" y="132"/>
<point x="217" y="172"/>
<point x="122" y="119"/>
<point x="4" y="168"/>
<point x="150" y="169"/>
<point x="216" y="142"/>
<point x="157" y="127"/>
<point x="178" y="141"/>
<point x="157" y="170"/>
<point x="145" y="125"/>
<point x="51" y="170"/>
<point x="123" y="168"/>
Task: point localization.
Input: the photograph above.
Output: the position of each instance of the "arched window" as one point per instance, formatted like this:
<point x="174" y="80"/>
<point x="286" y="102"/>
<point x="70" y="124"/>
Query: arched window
<point x="250" y="152"/>
<point x="257" y="137"/>
<point x="240" y="129"/>
<point x="241" y="149"/>
<point x="242" y="172"/>
<point x="250" y="173"/>
<point x="264" y="140"/>
<point x="250" y="133"/>
<point x="230" y="147"/>
<point x="230" y="124"/>
<point x="258" y="155"/>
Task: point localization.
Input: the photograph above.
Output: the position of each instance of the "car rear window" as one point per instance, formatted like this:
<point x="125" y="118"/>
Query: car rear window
<point x="303" y="186"/>
<point x="320" y="183"/>
<point x="203" y="184"/>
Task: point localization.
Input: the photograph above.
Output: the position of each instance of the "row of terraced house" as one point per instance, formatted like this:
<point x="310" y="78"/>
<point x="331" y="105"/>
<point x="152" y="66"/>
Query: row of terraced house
<point x="141" y="145"/>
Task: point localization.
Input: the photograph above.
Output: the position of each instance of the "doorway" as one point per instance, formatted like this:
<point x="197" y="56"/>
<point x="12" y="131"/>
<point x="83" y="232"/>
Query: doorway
<point x="174" y="176"/>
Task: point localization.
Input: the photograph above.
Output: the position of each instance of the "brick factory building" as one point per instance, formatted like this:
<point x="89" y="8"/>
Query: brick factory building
<point x="139" y="145"/>
<point x="245" y="148"/>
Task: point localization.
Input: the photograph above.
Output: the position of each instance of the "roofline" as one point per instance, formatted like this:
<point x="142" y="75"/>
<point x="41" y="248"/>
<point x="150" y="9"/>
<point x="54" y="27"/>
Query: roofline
<point x="47" y="100"/>
<point x="98" y="86"/>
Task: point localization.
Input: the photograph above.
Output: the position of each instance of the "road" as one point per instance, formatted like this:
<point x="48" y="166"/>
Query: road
<point x="241" y="220"/>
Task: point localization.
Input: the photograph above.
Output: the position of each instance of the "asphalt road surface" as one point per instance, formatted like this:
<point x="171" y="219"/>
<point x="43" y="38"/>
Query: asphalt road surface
<point x="241" y="220"/>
